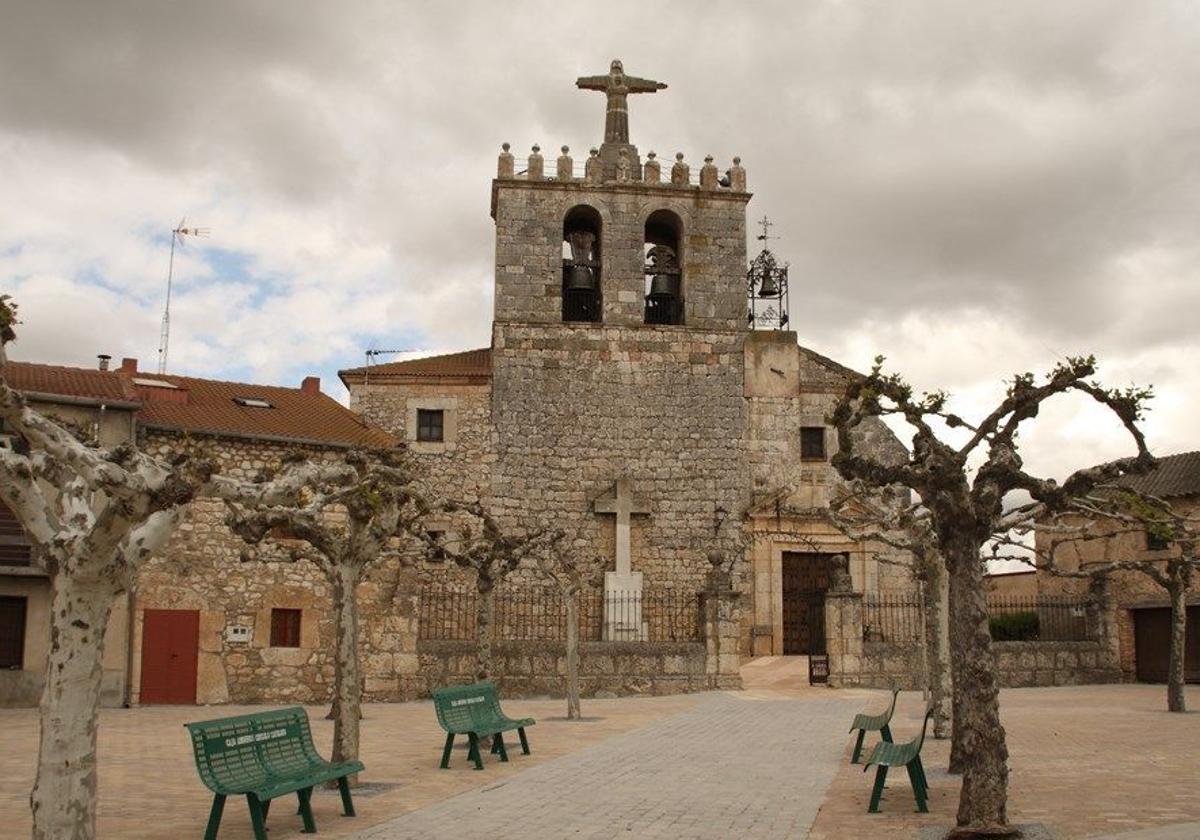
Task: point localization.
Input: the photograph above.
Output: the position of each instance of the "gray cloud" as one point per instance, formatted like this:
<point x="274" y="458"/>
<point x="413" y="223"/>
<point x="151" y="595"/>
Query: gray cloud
<point x="1032" y="165"/>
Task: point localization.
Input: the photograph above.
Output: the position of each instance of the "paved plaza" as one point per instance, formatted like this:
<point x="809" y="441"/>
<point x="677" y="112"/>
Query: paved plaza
<point x="770" y="761"/>
<point x="729" y="767"/>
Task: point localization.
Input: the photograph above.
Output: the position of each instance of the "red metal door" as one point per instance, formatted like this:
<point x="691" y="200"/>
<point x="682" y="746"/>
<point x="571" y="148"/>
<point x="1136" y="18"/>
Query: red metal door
<point x="170" y="647"/>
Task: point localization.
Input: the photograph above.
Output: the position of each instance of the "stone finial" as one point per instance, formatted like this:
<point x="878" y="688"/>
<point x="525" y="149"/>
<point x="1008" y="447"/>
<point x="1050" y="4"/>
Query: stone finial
<point x="504" y="167"/>
<point x="593" y="170"/>
<point x="536" y="170"/>
<point x="651" y="169"/>
<point x="680" y="173"/>
<point x="737" y="176"/>
<point x="565" y="166"/>
<point x="708" y="174"/>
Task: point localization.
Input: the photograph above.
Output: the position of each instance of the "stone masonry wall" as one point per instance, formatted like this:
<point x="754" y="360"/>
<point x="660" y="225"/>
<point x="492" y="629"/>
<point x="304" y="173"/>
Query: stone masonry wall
<point x="200" y="569"/>
<point x="578" y="406"/>
<point x="529" y="233"/>
<point x="539" y="668"/>
<point x="459" y="467"/>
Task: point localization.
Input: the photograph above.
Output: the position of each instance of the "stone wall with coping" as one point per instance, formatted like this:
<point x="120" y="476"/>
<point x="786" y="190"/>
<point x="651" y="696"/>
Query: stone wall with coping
<point x="1024" y="664"/>
<point x="530" y="668"/>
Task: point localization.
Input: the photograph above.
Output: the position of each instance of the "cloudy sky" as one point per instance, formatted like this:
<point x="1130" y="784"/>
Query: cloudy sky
<point x="972" y="189"/>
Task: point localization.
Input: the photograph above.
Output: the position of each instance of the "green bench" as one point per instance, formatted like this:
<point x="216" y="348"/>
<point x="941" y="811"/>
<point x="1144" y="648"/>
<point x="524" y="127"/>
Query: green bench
<point x="263" y="756"/>
<point x="474" y="711"/>
<point x="906" y="755"/>
<point x="873" y="723"/>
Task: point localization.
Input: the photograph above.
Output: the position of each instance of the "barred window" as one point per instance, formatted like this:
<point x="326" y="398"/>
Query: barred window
<point x="430" y="424"/>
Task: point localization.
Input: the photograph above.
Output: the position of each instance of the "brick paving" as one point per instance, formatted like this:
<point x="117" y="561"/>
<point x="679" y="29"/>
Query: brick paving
<point x="730" y="767"/>
<point x="149" y="789"/>
<point x="755" y="763"/>
<point x="1089" y="761"/>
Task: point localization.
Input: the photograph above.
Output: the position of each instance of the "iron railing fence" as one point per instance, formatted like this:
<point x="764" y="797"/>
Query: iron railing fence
<point x="1044" y="618"/>
<point x="893" y="617"/>
<point x="540" y="614"/>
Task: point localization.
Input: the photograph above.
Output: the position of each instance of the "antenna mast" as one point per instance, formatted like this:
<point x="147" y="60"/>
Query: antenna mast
<point x="373" y="353"/>
<point x="164" y="336"/>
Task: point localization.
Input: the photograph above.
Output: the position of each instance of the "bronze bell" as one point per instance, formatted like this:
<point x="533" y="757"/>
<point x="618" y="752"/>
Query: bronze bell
<point x="769" y="287"/>
<point x="580" y="278"/>
<point x="664" y="285"/>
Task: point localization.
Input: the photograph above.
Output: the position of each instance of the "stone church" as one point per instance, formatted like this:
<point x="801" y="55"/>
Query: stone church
<point x="627" y="396"/>
<point x="640" y="390"/>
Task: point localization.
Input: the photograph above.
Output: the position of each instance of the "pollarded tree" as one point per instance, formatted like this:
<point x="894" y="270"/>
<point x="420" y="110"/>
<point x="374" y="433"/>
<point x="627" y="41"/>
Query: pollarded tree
<point x="1106" y="517"/>
<point x="907" y="528"/>
<point x="573" y="569"/>
<point x="474" y="540"/>
<point x="965" y="510"/>
<point x="93" y="516"/>
<point x="350" y="528"/>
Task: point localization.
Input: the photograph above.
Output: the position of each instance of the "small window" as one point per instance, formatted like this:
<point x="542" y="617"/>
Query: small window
<point x="285" y="628"/>
<point x="429" y="424"/>
<point x="253" y="402"/>
<point x="12" y="633"/>
<point x="1156" y="543"/>
<point x="812" y="443"/>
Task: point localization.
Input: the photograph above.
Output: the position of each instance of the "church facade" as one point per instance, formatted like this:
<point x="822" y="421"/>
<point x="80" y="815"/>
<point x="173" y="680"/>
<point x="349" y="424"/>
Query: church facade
<point x="626" y="398"/>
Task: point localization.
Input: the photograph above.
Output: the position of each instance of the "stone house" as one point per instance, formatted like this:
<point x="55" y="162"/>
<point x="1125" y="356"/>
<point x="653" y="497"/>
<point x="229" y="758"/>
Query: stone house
<point x="1141" y="606"/>
<point x="200" y="626"/>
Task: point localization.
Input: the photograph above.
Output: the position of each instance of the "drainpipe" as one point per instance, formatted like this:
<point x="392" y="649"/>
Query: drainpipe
<point x="130" y="606"/>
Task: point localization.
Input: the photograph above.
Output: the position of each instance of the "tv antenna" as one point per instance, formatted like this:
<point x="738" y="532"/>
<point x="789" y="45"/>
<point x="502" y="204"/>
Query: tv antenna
<point x="373" y="353"/>
<point x="164" y="336"/>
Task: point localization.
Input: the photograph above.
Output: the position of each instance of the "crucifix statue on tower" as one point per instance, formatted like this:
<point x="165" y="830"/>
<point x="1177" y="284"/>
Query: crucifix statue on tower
<point x="617" y="86"/>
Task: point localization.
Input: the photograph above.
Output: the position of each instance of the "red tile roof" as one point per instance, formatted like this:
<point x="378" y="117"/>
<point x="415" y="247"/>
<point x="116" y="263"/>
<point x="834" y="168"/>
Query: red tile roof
<point x="99" y="385"/>
<point x="1175" y="475"/>
<point x="207" y="405"/>
<point x="470" y="365"/>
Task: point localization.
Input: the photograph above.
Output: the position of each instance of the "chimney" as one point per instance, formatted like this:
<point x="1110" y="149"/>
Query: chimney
<point x="128" y="365"/>
<point x="104" y="360"/>
<point x="311" y="385"/>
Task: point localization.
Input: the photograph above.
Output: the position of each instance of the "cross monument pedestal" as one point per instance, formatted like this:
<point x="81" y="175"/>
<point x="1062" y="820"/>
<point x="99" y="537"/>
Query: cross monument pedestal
<point x="623" y="586"/>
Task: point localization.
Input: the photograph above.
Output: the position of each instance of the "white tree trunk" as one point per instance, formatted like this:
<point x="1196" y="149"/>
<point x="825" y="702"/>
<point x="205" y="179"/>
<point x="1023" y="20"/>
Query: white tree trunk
<point x="573" y="712"/>
<point x="347" y="681"/>
<point x="1176" y="701"/>
<point x="64" y="795"/>
<point x="937" y="643"/>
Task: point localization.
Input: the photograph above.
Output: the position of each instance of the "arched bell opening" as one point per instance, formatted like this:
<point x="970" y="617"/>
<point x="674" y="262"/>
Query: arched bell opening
<point x="581" y="297"/>
<point x="663" y="267"/>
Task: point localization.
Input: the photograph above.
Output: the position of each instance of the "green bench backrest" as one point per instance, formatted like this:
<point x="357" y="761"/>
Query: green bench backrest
<point x="238" y="753"/>
<point x="920" y="740"/>
<point x="467" y="707"/>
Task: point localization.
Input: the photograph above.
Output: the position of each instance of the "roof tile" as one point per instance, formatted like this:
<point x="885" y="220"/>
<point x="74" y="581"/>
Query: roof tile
<point x="208" y="406"/>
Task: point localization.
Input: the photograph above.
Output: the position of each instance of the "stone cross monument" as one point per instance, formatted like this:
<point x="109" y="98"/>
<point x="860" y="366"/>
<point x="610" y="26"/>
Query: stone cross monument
<point x="616" y="86"/>
<point x="623" y="586"/>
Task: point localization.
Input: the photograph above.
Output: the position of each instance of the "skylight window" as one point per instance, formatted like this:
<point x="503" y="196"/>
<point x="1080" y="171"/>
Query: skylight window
<point x="154" y="383"/>
<point x="253" y="402"/>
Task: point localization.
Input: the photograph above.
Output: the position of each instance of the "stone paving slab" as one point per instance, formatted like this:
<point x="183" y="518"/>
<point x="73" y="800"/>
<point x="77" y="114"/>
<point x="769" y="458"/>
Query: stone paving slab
<point x="1182" y="831"/>
<point x="729" y="767"/>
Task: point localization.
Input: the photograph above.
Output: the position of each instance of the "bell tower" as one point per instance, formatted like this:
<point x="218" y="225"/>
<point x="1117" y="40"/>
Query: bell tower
<point x="620" y="314"/>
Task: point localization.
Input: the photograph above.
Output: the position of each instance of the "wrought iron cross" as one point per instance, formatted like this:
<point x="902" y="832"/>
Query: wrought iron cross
<point x="767" y="224"/>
